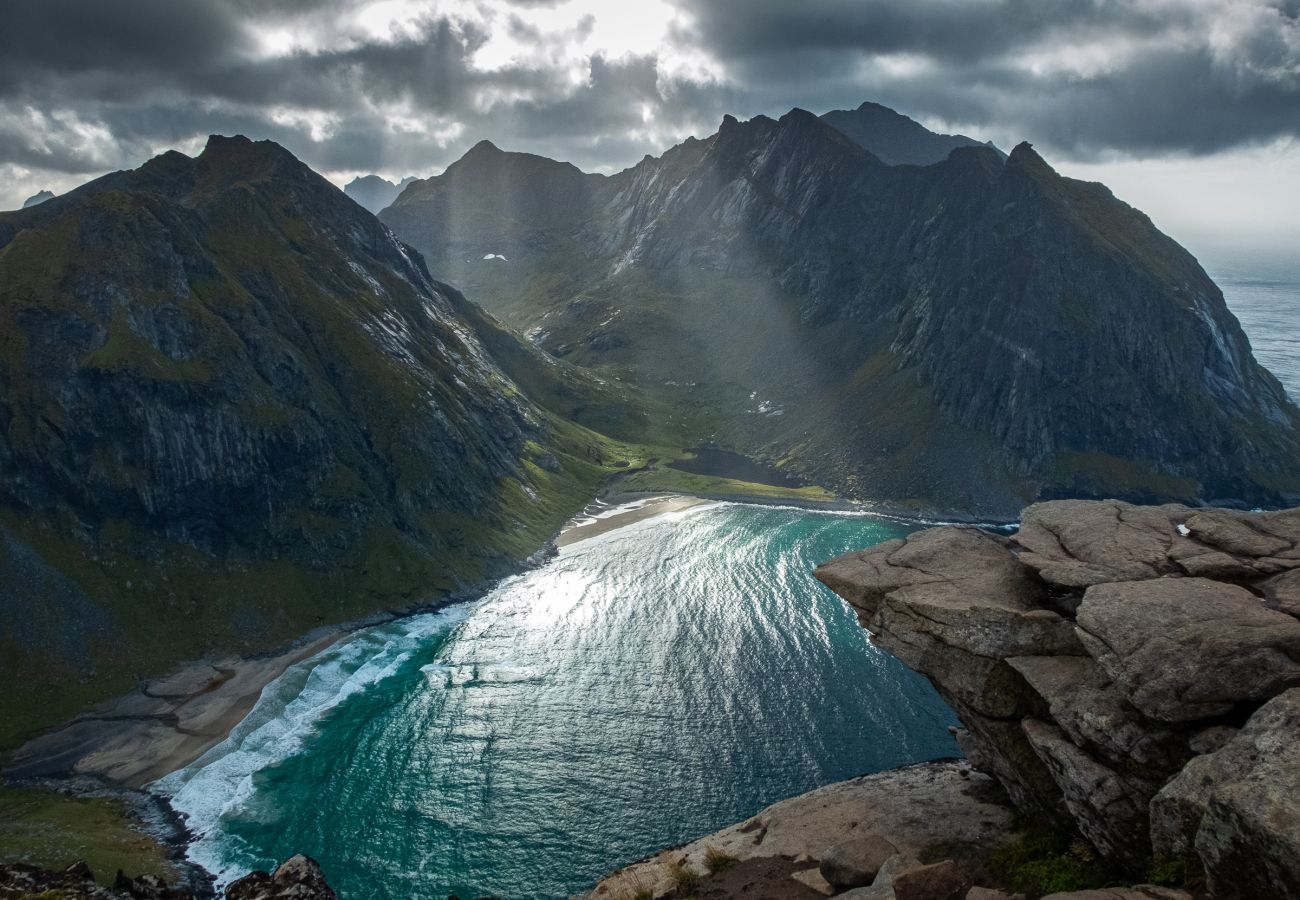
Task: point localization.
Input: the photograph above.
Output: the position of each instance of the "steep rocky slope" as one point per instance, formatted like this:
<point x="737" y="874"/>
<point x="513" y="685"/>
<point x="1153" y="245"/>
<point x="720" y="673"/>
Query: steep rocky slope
<point x="233" y="406"/>
<point x="969" y="335"/>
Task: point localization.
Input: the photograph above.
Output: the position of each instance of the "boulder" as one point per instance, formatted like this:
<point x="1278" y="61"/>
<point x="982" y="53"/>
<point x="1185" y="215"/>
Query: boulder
<point x="1182" y="649"/>
<point x="983" y="893"/>
<point x="1242" y="533"/>
<point x="938" y="881"/>
<point x="1168" y="722"/>
<point x="297" y="878"/>
<point x="1239" y="808"/>
<point x="854" y="862"/>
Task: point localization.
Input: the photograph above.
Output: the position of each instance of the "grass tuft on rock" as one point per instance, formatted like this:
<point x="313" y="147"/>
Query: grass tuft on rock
<point x="1042" y="861"/>
<point x="716" y="860"/>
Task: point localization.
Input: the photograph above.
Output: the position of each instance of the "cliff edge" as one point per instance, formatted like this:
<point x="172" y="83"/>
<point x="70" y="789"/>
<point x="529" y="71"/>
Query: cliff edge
<point x="1128" y="682"/>
<point x="1129" y="672"/>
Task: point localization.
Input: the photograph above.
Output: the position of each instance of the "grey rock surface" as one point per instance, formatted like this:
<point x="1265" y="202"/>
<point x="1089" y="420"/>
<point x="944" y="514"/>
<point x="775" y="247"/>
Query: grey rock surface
<point x="1183" y="649"/>
<point x="1170" y="726"/>
<point x="297" y="878"/>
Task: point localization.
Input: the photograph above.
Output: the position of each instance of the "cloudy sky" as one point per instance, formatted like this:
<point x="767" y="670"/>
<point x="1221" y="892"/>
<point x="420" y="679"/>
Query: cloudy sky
<point x="1189" y="109"/>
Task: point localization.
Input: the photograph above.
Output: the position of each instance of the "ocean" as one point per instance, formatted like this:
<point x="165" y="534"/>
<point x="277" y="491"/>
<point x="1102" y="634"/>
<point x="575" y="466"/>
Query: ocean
<point x="1264" y="293"/>
<point x="642" y="688"/>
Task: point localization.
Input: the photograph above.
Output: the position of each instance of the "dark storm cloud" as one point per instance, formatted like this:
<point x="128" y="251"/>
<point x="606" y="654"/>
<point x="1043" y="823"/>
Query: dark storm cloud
<point x="1169" y="77"/>
<point x="88" y="85"/>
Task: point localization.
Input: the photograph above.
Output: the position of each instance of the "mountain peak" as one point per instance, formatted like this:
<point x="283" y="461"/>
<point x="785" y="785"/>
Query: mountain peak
<point x="484" y="148"/>
<point x="236" y="157"/>
<point x="37" y="198"/>
<point x="798" y="115"/>
<point x="895" y="138"/>
<point x="1026" y="159"/>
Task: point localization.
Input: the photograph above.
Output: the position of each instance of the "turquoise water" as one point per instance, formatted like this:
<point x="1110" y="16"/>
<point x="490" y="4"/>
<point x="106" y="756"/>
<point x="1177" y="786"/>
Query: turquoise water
<point x="641" y="689"/>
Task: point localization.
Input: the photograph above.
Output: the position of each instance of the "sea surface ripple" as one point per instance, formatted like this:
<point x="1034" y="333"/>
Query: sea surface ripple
<point x="640" y="689"/>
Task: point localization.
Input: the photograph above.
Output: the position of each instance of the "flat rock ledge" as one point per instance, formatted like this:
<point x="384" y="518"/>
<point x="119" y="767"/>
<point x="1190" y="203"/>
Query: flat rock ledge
<point x="1131" y="673"/>
<point x="903" y="818"/>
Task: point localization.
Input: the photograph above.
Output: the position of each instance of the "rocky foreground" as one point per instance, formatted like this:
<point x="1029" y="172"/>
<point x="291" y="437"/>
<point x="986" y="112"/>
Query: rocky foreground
<point x="298" y="878"/>
<point x="1130" y="676"/>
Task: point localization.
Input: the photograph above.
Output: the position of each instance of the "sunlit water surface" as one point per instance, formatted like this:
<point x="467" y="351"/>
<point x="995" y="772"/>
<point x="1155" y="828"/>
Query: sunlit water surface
<point x="641" y="689"/>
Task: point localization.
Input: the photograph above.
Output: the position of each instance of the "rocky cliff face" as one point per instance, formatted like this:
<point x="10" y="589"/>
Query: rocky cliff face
<point x="970" y="334"/>
<point x="1132" y="672"/>
<point x="231" y="399"/>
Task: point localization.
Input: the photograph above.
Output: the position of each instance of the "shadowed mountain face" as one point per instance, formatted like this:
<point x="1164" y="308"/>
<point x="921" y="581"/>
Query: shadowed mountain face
<point x="969" y="335"/>
<point x="231" y="398"/>
<point x="374" y="192"/>
<point x="895" y="139"/>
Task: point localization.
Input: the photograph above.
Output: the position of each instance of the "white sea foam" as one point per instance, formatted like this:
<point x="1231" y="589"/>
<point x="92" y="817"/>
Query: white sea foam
<point x="220" y="784"/>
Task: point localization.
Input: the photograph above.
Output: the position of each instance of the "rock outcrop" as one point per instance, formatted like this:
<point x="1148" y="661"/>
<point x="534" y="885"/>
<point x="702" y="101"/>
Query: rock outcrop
<point x="298" y="878"/>
<point x="1129" y="672"/>
<point x="844" y="838"/>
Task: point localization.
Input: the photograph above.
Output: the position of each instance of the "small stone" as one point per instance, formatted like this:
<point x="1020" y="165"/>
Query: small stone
<point x="983" y="893"/>
<point x="939" y="881"/>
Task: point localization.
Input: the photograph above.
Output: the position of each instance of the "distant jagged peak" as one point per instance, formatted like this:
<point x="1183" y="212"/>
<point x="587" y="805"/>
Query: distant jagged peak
<point x="374" y="192"/>
<point x="895" y="138"/>
<point x="37" y="198"/>
<point x="1024" y="156"/>
<point x="487" y="156"/>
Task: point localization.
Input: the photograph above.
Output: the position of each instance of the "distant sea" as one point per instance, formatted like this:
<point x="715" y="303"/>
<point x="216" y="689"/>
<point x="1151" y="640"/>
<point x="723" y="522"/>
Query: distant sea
<point x="1264" y="293"/>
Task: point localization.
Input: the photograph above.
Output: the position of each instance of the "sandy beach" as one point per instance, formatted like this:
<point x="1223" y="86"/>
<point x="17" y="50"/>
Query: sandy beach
<point x="601" y="518"/>
<point x="162" y="726"/>
<point x="167" y="723"/>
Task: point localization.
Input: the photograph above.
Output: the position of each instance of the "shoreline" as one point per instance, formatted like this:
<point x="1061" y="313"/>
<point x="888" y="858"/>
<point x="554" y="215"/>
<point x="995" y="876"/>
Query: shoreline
<point x="167" y="723"/>
<point x="122" y="746"/>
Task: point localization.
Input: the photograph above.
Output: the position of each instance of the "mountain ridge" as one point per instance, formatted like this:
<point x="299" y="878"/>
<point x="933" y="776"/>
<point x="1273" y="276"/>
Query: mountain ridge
<point x="230" y="397"/>
<point x="890" y="274"/>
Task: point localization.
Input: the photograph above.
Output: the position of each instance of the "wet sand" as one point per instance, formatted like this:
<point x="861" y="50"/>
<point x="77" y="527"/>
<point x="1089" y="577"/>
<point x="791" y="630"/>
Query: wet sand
<point x="162" y="726"/>
<point x="601" y="518"/>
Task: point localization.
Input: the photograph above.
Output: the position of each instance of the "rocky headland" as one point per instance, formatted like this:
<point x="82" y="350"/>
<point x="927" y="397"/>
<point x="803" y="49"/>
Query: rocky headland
<point x="1128" y="682"/>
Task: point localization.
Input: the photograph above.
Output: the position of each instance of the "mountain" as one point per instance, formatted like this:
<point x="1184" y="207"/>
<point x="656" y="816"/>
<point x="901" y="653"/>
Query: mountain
<point x="895" y="139"/>
<point x="374" y="192"/>
<point x="965" y="336"/>
<point x="38" y="197"/>
<point x="233" y="407"/>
